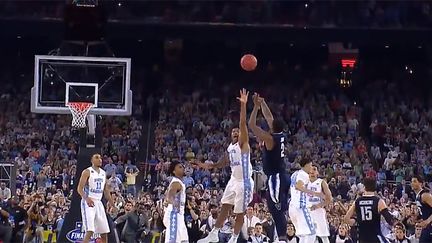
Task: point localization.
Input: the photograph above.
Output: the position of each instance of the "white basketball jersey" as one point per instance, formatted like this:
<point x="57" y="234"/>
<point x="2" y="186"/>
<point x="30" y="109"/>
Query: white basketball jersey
<point x="181" y="196"/>
<point x="315" y="187"/>
<point x="241" y="167"/>
<point x="96" y="184"/>
<point x="298" y="198"/>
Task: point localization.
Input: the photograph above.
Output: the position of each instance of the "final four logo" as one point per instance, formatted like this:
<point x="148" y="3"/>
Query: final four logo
<point x="76" y="235"/>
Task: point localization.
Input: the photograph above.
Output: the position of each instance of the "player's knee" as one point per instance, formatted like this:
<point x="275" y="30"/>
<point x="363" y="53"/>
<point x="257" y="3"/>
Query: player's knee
<point x="239" y="217"/>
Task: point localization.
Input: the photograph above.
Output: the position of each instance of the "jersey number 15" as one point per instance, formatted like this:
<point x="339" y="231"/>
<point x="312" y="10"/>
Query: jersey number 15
<point x="366" y="213"/>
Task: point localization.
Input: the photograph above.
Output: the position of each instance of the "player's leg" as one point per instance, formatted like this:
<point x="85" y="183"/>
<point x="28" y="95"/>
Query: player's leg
<point x="319" y="218"/>
<point x="307" y="231"/>
<point x="182" y="233"/>
<point x="307" y="238"/>
<point x="171" y="223"/>
<point x="242" y="199"/>
<point x="277" y="203"/>
<point x="322" y="239"/>
<point x="88" y="219"/>
<point x="227" y="204"/>
<point x="104" y="238"/>
<point x="303" y="225"/>
<point x="101" y="221"/>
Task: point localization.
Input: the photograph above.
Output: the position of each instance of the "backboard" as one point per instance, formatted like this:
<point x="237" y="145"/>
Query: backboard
<point x="103" y="81"/>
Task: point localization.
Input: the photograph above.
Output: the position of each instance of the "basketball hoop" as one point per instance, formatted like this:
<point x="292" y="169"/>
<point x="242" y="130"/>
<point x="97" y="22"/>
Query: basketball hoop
<point x="79" y="112"/>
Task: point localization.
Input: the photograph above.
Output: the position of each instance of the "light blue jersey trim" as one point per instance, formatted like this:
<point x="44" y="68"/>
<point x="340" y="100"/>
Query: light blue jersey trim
<point x="247" y="186"/>
<point x="83" y="206"/>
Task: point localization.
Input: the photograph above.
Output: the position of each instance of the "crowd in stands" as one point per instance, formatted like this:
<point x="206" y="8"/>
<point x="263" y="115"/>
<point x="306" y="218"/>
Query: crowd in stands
<point x="382" y="136"/>
<point x="393" y="146"/>
<point x="328" y="14"/>
<point x="44" y="151"/>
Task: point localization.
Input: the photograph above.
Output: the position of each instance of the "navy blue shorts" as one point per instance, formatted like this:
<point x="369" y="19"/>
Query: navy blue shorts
<point x="277" y="193"/>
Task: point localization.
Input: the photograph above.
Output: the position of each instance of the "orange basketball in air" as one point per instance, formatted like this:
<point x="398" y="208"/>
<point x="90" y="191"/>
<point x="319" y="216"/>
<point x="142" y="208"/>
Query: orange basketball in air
<point x="248" y="62"/>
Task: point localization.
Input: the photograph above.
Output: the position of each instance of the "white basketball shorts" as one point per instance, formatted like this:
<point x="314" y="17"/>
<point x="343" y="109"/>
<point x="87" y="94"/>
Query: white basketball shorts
<point x="238" y="193"/>
<point x="174" y="222"/>
<point x="302" y="221"/>
<point x="320" y="220"/>
<point x="94" y="218"/>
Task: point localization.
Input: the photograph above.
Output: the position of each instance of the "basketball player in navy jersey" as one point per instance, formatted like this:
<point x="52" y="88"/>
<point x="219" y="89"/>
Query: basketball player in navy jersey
<point x="273" y="164"/>
<point x="92" y="186"/>
<point x="368" y="210"/>
<point x="424" y="204"/>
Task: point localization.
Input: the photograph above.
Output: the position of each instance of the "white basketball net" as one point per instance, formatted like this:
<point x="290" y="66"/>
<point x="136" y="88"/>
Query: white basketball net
<point x="79" y="112"/>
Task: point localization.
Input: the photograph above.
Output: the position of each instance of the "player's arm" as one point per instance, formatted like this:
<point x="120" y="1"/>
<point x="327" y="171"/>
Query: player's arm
<point x="82" y="182"/>
<point x="427" y="199"/>
<point x="383" y="210"/>
<point x="328" y="198"/>
<point x="223" y="162"/>
<point x="349" y="215"/>
<point x="122" y="218"/>
<point x="301" y="187"/>
<point x="173" y="190"/>
<point x="244" y="134"/>
<point x="107" y="195"/>
<point x="260" y="133"/>
<point x="267" y="113"/>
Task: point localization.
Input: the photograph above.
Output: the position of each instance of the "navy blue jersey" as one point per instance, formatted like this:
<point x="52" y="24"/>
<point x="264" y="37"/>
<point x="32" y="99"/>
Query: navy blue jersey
<point x="273" y="160"/>
<point x="368" y="219"/>
<point x="424" y="209"/>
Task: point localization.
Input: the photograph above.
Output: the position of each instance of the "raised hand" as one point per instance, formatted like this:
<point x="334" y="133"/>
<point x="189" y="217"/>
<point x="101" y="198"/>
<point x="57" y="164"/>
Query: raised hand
<point x="257" y="100"/>
<point x="204" y="166"/>
<point x="243" y="96"/>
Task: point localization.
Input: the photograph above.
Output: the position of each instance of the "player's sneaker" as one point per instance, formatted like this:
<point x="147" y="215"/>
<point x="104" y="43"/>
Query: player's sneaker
<point x="211" y="238"/>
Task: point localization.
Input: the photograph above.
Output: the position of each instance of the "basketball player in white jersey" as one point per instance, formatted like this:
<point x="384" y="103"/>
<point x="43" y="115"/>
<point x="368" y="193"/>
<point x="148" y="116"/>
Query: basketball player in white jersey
<point x="298" y="210"/>
<point x="91" y="188"/>
<point x="238" y="192"/>
<point x="316" y="205"/>
<point x="175" y="199"/>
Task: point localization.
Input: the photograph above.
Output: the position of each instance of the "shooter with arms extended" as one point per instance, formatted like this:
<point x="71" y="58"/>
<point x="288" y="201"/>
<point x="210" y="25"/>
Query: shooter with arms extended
<point x="274" y="165"/>
<point x="238" y="192"/>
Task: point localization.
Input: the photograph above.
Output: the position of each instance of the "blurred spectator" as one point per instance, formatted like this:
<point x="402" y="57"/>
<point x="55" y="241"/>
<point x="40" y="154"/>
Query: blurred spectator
<point x="5" y="193"/>
<point x="258" y="236"/>
<point x="131" y="174"/>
